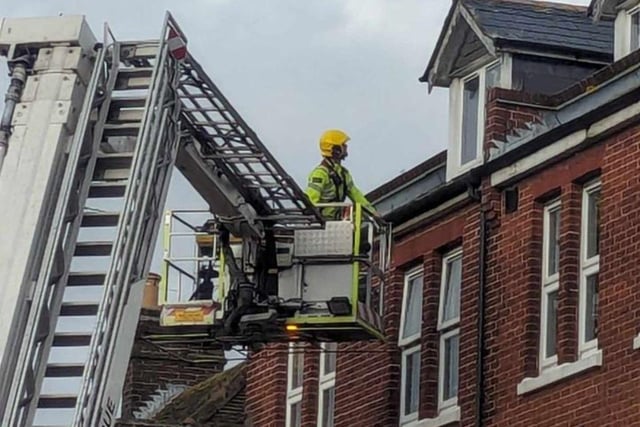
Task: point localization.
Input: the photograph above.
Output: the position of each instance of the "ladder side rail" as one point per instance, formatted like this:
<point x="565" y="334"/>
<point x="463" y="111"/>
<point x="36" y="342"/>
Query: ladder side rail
<point x="48" y="290"/>
<point x="272" y="167"/>
<point x="171" y="152"/>
<point x="88" y="381"/>
<point x="261" y="206"/>
<point x="292" y="189"/>
<point x="85" y="406"/>
<point x="109" y="81"/>
<point x="138" y="257"/>
<point x="224" y="162"/>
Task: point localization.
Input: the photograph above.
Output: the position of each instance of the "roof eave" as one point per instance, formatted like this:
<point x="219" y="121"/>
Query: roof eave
<point x="473" y="177"/>
<point x="601" y="9"/>
<point x="504" y="44"/>
<point x="429" y="73"/>
<point x="435" y="197"/>
<point x="616" y="94"/>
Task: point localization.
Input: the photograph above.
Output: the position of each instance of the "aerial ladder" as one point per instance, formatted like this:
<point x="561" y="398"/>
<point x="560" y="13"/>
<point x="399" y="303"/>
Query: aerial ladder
<point x="91" y="132"/>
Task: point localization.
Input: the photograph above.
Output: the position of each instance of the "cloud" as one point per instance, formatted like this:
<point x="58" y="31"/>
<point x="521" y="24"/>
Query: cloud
<point x="294" y="68"/>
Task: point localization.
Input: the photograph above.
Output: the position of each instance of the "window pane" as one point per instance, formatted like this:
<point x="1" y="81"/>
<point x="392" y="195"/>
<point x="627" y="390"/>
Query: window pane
<point x="492" y="78"/>
<point x="591" y="317"/>
<point x="537" y="74"/>
<point x="450" y="379"/>
<point x="413" y="314"/>
<point x="593" y="222"/>
<point x="635" y="31"/>
<point x="296" y="415"/>
<point x="329" y="358"/>
<point x="412" y="382"/>
<point x="469" y="147"/>
<point x="452" y="289"/>
<point x="554" y="242"/>
<point x="328" y="403"/>
<point x="297" y="368"/>
<point x="552" y="321"/>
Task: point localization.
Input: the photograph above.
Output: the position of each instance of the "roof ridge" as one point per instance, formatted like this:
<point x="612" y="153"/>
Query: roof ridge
<point x="543" y="3"/>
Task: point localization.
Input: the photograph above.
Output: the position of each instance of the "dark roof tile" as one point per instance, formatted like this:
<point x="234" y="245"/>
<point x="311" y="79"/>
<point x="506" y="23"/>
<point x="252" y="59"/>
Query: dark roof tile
<point x="405" y="177"/>
<point x="563" y="26"/>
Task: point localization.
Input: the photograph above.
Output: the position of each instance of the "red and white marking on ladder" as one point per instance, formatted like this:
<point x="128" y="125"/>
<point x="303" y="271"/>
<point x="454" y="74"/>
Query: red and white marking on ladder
<point x="177" y="46"/>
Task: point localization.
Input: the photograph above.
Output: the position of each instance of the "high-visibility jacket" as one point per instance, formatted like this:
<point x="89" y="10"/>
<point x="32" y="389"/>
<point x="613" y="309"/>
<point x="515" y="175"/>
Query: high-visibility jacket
<point x="331" y="182"/>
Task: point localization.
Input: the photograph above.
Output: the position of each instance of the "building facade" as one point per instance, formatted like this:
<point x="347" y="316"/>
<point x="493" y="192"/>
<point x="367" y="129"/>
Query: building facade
<point x="512" y="298"/>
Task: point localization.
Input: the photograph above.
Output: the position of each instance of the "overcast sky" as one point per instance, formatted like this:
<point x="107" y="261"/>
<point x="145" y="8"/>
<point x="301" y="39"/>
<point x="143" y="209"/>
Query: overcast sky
<point x="294" y="68"/>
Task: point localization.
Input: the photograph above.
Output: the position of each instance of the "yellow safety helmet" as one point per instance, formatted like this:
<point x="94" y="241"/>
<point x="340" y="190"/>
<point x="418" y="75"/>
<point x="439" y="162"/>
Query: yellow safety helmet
<point x="331" y="139"/>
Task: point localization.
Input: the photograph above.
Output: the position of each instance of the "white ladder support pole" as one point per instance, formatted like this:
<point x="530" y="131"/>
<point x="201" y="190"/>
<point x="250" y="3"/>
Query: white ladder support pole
<point x="43" y="125"/>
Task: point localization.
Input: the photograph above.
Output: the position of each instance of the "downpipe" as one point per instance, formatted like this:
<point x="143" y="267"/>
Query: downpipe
<point x="476" y="195"/>
<point x="11" y="99"/>
<point x="481" y="320"/>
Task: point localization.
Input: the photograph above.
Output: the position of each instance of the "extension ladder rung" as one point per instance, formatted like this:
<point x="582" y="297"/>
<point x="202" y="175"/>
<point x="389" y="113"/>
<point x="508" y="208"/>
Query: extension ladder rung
<point x="79" y="309"/>
<point x="231" y="156"/>
<point x="111" y="161"/>
<point x="100" y="219"/>
<point x="64" y="370"/>
<point x="93" y="248"/>
<point x="128" y="102"/>
<point x="86" y="278"/>
<point x="71" y="339"/>
<point x="138" y="50"/>
<point x="121" y="129"/>
<point x="133" y="78"/>
<point x="58" y="401"/>
<point x="108" y="189"/>
<point x="128" y="115"/>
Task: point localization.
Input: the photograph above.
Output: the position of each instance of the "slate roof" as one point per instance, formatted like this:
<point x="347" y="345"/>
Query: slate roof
<point x="408" y="176"/>
<point x="540" y="26"/>
<point x="567" y="27"/>
<point x="218" y="401"/>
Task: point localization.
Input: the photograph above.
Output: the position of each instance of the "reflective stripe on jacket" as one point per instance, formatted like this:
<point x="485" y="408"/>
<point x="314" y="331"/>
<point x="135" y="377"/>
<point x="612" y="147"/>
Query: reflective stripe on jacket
<point x="330" y="182"/>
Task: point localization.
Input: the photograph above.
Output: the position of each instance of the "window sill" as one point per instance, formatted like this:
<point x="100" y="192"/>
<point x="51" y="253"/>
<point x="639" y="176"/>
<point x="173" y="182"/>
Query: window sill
<point x="636" y="342"/>
<point x="457" y="169"/>
<point x="446" y="416"/>
<point x="560" y="372"/>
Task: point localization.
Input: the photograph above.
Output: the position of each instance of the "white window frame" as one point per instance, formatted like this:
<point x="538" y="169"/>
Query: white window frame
<point x="294" y="395"/>
<point x="408" y="277"/>
<point x="457" y="253"/>
<point x="451" y="402"/>
<point x="410" y="344"/>
<point x="588" y="267"/>
<point x="631" y="13"/>
<point x="550" y="284"/>
<point x="413" y="416"/>
<point x="454" y="153"/>
<point x="327" y="380"/>
<point x="447" y="329"/>
<point x="623" y="30"/>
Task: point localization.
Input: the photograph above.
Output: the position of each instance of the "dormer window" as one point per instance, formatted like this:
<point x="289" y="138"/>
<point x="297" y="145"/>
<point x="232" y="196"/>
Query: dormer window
<point x="634" y="20"/>
<point x="627" y="30"/>
<point x="473" y="99"/>
<point x="513" y="45"/>
<point x="468" y="101"/>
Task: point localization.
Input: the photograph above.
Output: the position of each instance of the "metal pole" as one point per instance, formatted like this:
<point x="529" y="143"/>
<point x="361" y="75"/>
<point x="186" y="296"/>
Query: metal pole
<point x="18" y="78"/>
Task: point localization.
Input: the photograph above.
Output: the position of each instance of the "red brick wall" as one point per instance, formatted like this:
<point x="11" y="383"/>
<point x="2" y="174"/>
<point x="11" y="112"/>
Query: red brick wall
<point x="368" y="374"/>
<point x="428" y="245"/>
<point x="503" y="117"/>
<point x="601" y="396"/>
<point x="368" y="383"/>
<point x="152" y="369"/>
<point x="267" y="386"/>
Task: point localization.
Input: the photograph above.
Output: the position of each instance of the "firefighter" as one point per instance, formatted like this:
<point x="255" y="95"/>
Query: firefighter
<point x="330" y="182"/>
